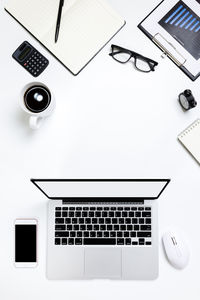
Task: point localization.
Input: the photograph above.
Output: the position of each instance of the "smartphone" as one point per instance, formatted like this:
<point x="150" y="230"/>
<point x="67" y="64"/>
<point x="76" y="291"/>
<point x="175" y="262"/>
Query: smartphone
<point x="26" y="243"/>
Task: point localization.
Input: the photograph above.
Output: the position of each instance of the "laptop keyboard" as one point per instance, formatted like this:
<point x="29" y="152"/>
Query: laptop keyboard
<point x="110" y="225"/>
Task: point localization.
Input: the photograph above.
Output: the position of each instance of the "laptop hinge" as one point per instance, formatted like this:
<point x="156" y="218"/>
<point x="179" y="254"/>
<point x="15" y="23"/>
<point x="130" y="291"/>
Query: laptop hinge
<point x="100" y="202"/>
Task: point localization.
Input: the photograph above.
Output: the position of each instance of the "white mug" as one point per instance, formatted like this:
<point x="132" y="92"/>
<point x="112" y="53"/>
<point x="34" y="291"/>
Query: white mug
<point x="37" y="100"/>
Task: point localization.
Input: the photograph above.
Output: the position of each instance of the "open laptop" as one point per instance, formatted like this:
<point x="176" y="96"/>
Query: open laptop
<point x="102" y="228"/>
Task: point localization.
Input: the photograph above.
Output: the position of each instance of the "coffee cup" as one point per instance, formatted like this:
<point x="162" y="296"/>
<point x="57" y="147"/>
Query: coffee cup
<point x="37" y="100"/>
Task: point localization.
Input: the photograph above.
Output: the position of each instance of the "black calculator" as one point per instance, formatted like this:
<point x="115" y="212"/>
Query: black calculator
<point x="31" y="59"/>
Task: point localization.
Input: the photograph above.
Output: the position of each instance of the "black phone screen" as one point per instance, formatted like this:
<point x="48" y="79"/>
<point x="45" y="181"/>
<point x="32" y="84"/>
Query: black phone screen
<point x="25" y="243"/>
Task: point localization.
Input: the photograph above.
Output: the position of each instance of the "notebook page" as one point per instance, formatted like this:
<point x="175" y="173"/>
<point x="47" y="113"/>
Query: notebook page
<point x="37" y="16"/>
<point x="85" y="28"/>
<point x="190" y="138"/>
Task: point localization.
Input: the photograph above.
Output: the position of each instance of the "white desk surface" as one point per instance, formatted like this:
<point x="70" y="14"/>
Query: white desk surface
<point x="111" y="121"/>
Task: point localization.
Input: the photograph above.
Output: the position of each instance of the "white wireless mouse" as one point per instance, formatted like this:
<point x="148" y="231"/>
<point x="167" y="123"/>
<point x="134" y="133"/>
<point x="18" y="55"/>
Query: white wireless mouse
<point x="176" y="249"/>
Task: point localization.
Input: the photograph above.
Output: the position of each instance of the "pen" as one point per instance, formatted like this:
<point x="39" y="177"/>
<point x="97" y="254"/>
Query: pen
<point x="58" y="19"/>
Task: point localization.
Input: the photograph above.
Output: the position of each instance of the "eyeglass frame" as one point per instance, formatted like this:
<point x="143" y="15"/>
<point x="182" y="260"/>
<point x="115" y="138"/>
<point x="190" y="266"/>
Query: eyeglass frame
<point x="135" y="55"/>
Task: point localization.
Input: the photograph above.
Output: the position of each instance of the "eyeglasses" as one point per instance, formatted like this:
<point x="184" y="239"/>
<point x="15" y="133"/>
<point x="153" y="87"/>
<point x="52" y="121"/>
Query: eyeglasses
<point x="141" y="63"/>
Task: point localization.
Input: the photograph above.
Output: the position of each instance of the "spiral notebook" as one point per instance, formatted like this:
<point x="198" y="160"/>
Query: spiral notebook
<point x="190" y="139"/>
<point x="86" y="26"/>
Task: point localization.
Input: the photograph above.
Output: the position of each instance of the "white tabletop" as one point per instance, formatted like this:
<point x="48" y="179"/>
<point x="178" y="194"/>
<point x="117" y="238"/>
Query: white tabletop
<point x="111" y="121"/>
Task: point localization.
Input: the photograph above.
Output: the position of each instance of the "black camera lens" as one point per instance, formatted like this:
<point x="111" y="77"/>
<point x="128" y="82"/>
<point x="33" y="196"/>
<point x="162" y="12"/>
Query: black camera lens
<point x="37" y="98"/>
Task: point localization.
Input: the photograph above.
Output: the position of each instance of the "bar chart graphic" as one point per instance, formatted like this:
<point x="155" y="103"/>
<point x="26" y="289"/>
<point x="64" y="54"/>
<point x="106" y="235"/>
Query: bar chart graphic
<point x="184" y="25"/>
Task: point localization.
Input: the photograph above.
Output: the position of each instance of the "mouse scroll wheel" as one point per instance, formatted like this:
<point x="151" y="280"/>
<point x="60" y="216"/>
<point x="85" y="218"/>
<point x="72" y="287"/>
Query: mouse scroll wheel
<point x="174" y="240"/>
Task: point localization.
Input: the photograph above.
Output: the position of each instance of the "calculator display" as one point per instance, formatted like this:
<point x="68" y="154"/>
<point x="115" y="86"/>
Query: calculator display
<point x="24" y="53"/>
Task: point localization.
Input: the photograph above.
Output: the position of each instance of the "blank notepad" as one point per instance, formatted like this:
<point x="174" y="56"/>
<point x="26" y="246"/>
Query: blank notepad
<point x="86" y="26"/>
<point x="190" y="138"/>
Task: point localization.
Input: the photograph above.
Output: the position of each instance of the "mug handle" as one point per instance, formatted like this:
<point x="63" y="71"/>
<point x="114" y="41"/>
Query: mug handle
<point x="35" y="122"/>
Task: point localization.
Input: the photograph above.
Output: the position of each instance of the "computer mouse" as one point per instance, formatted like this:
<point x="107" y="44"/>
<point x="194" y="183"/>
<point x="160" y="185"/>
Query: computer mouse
<point x="176" y="249"/>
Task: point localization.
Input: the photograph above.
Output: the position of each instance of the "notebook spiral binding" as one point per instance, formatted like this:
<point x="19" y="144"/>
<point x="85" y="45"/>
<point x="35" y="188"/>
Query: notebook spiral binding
<point x="190" y="128"/>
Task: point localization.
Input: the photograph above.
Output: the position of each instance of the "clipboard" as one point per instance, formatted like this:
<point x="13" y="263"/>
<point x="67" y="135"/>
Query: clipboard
<point x="174" y="26"/>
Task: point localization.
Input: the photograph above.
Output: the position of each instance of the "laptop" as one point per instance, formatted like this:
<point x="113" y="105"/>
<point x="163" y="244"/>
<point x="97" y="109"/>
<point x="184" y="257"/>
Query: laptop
<point x="102" y="228"/>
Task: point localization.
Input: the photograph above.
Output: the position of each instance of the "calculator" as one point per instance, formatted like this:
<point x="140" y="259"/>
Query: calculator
<point x="31" y="59"/>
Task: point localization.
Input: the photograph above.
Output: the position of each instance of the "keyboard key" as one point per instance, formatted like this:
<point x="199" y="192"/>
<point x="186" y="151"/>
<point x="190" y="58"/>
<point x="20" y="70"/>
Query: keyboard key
<point x="99" y="241"/>
<point x="104" y="214"/>
<point x="140" y="208"/>
<point x="94" y="220"/>
<point x="134" y="243"/>
<point x="99" y="234"/>
<point x="71" y="214"/>
<point x="134" y="221"/>
<point x="65" y="208"/>
<point x="77" y="214"/>
<point x="76" y="227"/>
<point x="148" y="221"/>
<point x="112" y="234"/>
<point x="128" y="241"/>
<point x="141" y="221"/>
<point x="59" y="220"/>
<point x="128" y="221"/>
<point x="101" y="221"/>
<point x="108" y="221"/>
<point x="129" y="227"/>
<point x="119" y="234"/>
<point x="92" y="208"/>
<point x="99" y="208"/>
<point x="116" y="227"/>
<point x="72" y="208"/>
<point x="143" y="234"/>
<point x="109" y="227"/>
<point x="124" y="214"/>
<point x="79" y="234"/>
<point x="89" y="227"/>
<point x="82" y="227"/>
<point x="69" y="227"/>
<point x="58" y="208"/>
<point x="86" y="234"/>
<point x="122" y="227"/>
<point x="113" y="208"/>
<point x="81" y="221"/>
<point x="126" y="234"/>
<point x="97" y="214"/>
<point x="147" y="208"/>
<point x="131" y="214"/>
<point x="133" y="234"/>
<point x="121" y="221"/>
<point x="64" y="214"/>
<point x="68" y="221"/>
<point x="133" y="208"/>
<point x="92" y="234"/>
<point x="57" y="241"/>
<point x="145" y="227"/>
<point x="126" y="208"/>
<point x="60" y="227"/>
<point x="70" y="241"/>
<point x="138" y="214"/>
<point x="102" y="227"/>
<point x="146" y="214"/>
<point x="78" y="208"/>
<point x="118" y="214"/>
<point x="64" y="241"/>
<point x="85" y="208"/>
<point x="111" y="214"/>
<point x="61" y="234"/>
<point x="136" y="227"/>
<point x="106" y="208"/>
<point x="72" y="233"/>
<point x="58" y="214"/>
<point x="141" y="241"/>
<point x="96" y="227"/>
<point x="91" y="214"/>
<point x="78" y="241"/>
<point x="114" y="221"/>
<point x="148" y="243"/>
<point x="120" y="241"/>
<point x="120" y="208"/>
<point x="87" y="221"/>
<point x="106" y="234"/>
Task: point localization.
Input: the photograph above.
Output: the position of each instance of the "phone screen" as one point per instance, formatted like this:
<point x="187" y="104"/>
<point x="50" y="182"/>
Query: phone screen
<point x="25" y="243"/>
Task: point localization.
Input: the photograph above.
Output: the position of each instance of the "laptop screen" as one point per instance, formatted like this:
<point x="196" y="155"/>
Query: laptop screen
<point x="64" y="189"/>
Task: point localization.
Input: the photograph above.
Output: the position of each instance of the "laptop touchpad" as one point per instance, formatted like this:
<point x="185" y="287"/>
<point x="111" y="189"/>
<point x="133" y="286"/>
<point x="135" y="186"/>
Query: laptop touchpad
<point x="102" y="262"/>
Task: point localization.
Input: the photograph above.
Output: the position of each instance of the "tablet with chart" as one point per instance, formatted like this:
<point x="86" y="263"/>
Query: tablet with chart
<point x="184" y="25"/>
<point x="174" y="26"/>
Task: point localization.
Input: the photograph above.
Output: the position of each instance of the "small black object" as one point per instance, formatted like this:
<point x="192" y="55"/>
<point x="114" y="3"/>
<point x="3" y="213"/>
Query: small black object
<point x="32" y="60"/>
<point x="187" y="100"/>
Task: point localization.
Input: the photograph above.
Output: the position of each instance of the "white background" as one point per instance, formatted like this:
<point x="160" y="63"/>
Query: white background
<point x="111" y="121"/>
